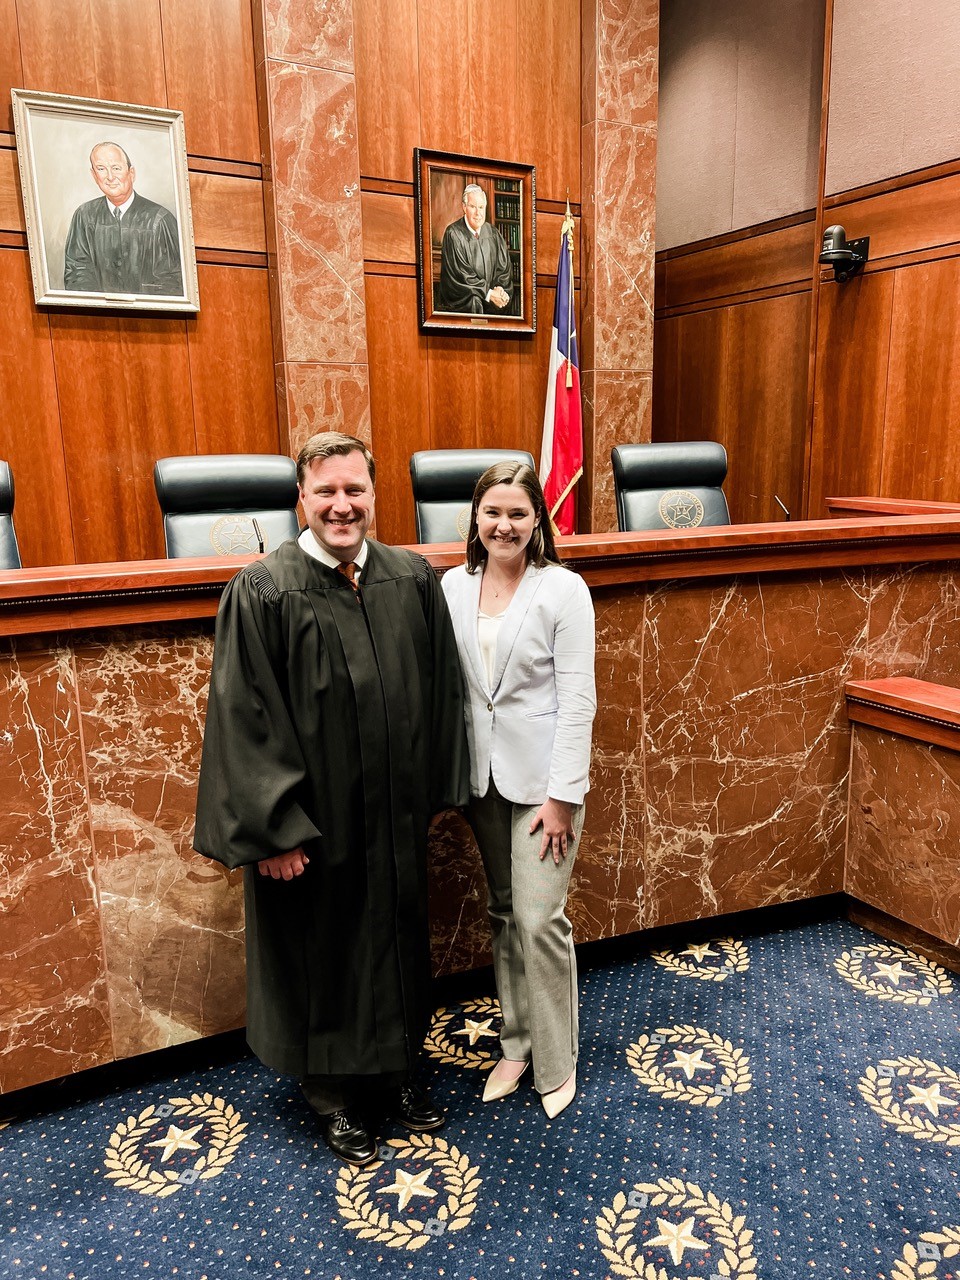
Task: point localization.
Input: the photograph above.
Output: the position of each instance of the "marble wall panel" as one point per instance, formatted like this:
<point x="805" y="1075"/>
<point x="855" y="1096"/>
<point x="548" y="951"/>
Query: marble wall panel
<point x="172" y="921"/>
<point x="626" y="159"/>
<point x="914" y="624"/>
<point x="459" y="932"/>
<point x="325" y="397"/>
<point x="316" y="32"/>
<point x="622" y="404"/>
<point x="746" y="739"/>
<point x="619" y="93"/>
<point x="903" y="854"/>
<point x="606" y="894"/>
<point x="626" y="60"/>
<point x="54" y="1015"/>
<point x="316" y="194"/>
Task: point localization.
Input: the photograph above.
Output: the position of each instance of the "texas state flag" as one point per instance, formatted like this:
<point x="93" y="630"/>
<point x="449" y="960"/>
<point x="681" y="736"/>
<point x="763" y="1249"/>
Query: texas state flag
<point x="561" y="457"/>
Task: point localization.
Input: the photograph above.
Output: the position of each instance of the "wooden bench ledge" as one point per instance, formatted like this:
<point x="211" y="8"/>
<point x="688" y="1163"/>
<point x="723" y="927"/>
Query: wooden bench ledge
<point x="912" y="708"/>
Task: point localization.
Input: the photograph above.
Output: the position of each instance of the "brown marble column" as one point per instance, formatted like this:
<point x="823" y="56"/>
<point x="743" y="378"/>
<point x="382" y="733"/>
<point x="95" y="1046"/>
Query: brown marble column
<point x="308" y="121"/>
<point x="618" y="185"/>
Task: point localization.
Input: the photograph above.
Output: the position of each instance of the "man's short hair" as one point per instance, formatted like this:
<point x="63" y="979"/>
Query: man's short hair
<point x="112" y="144"/>
<point x="473" y="187"/>
<point x="332" y="444"/>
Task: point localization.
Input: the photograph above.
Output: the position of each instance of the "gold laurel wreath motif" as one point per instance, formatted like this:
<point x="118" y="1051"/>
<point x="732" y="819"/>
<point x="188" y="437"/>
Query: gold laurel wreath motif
<point x="850" y="968"/>
<point x="736" y="954"/>
<point x="126" y="1166"/>
<point x="736" y="1076"/>
<point x="910" y="1266"/>
<point x="877" y="1092"/>
<point x="442" y="1047"/>
<point x="461" y="1183"/>
<point x="616" y="1225"/>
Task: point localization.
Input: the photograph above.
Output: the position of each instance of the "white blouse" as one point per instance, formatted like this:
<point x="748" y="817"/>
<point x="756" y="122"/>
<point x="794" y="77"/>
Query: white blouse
<point x="488" y="633"/>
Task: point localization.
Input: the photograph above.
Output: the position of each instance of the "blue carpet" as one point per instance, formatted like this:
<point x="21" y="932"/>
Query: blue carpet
<point x="783" y="1105"/>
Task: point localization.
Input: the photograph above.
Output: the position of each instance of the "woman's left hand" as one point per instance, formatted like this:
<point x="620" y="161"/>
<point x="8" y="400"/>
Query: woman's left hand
<point x="556" y="818"/>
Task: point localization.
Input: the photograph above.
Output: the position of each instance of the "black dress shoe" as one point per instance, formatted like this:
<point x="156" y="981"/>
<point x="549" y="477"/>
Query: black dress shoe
<point x="414" y="1110"/>
<point x="347" y="1138"/>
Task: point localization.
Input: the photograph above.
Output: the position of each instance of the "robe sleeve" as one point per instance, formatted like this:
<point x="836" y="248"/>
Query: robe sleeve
<point x="450" y="764"/>
<point x="252" y="770"/>
<point x="79" y="269"/>
<point x="461" y="288"/>
<point x="502" y="272"/>
<point x="167" y="273"/>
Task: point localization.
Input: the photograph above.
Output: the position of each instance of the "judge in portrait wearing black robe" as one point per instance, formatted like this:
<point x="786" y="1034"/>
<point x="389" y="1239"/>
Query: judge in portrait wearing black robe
<point x="475" y="271"/>
<point x="334" y="733"/>
<point x="121" y="242"/>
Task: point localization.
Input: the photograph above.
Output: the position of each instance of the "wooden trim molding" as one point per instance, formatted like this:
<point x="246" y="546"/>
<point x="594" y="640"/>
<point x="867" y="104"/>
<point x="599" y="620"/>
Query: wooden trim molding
<point x="889" y="507"/>
<point x="915" y="709"/>
<point x="75" y="597"/>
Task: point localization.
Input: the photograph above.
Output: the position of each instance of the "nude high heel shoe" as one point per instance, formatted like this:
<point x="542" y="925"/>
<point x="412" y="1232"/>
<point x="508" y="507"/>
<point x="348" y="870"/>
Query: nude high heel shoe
<point x="555" y="1101"/>
<point x="503" y="1080"/>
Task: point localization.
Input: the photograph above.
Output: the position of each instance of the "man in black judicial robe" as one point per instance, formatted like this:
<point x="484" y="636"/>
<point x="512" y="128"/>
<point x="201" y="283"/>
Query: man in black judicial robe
<point x="334" y="732"/>
<point x="475" y="272"/>
<point x="121" y="242"/>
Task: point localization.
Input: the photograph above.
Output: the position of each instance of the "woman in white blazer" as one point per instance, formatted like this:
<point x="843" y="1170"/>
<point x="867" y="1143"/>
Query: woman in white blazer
<point x="525" y="630"/>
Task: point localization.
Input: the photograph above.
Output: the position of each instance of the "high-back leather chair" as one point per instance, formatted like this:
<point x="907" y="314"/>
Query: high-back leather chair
<point x="671" y="485"/>
<point x="443" y="484"/>
<point x="215" y="503"/>
<point x="9" y="550"/>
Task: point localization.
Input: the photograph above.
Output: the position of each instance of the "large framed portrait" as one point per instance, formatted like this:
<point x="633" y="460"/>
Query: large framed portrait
<point x="476" y="244"/>
<point x="106" y="198"/>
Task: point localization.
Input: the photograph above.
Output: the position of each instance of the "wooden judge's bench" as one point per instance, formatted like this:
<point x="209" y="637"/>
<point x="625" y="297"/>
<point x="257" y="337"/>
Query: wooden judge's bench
<point x="728" y="773"/>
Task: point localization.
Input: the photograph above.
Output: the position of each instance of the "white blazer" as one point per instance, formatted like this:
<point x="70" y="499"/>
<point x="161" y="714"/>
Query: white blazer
<point x="531" y="731"/>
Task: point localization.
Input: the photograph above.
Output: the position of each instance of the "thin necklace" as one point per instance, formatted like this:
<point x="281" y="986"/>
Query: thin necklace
<point x="512" y="583"/>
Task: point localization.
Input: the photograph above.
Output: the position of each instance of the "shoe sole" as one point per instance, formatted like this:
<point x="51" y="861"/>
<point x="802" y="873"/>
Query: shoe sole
<point x="421" y="1128"/>
<point x="356" y="1164"/>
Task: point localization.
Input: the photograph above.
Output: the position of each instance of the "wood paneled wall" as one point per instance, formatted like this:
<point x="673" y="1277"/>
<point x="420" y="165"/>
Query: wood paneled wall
<point x="465" y="76"/>
<point x="821" y="389"/>
<point x="887" y="391"/>
<point x="730" y="358"/>
<point x="89" y="401"/>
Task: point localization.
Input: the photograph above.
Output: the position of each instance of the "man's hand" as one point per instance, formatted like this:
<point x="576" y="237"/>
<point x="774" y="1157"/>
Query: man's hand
<point x="285" y="866"/>
<point x="499" y="297"/>
<point x="556" y="818"/>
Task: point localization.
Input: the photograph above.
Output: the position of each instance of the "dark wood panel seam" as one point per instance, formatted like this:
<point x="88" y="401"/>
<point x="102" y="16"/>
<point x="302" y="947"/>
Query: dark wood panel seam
<point x="8" y="142"/>
<point x="385" y="186"/>
<point x="734" y="299"/>
<point x="232" y="258"/>
<point x="903" y="181"/>
<point x="228" y="168"/>
<point x="735" y="237"/>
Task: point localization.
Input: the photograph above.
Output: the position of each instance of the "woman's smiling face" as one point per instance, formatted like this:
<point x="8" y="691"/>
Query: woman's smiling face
<point x="505" y="523"/>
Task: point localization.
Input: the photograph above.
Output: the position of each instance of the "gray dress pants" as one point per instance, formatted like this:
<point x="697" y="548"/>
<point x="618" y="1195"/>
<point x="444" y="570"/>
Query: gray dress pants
<point x="533" y="956"/>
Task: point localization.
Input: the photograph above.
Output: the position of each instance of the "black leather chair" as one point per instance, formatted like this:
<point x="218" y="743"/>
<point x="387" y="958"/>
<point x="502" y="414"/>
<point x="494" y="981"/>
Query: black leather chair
<point x="443" y="484"/>
<point x="226" y="503"/>
<point x="9" y="550"/>
<point x="671" y="485"/>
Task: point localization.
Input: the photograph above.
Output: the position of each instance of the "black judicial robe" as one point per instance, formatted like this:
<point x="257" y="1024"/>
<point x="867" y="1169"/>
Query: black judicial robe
<point x="139" y="254"/>
<point x="334" y="722"/>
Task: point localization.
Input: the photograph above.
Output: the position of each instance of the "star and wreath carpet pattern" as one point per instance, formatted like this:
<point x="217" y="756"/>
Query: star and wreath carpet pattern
<point x="776" y="1105"/>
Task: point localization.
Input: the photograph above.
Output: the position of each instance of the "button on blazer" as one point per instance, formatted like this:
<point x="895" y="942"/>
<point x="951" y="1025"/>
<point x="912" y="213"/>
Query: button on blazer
<point x="531" y="729"/>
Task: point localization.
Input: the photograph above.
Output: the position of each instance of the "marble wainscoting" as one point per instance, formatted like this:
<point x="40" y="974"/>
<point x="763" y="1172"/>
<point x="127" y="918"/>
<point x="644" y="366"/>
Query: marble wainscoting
<point x="903" y="855"/>
<point x="721" y="748"/>
<point x="54" y="1007"/>
<point x="115" y="938"/>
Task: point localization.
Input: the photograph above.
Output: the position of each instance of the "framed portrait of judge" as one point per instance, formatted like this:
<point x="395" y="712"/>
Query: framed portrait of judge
<point x="476" y="244"/>
<point x="106" y="199"/>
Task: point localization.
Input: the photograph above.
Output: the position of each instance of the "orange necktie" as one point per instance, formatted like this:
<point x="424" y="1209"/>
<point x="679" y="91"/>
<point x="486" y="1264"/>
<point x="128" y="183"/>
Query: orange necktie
<point x="349" y="571"/>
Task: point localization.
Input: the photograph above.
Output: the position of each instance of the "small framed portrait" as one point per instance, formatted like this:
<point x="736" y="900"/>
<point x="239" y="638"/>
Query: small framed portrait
<point x="107" y="203"/>
<point x="476" y="244"/>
